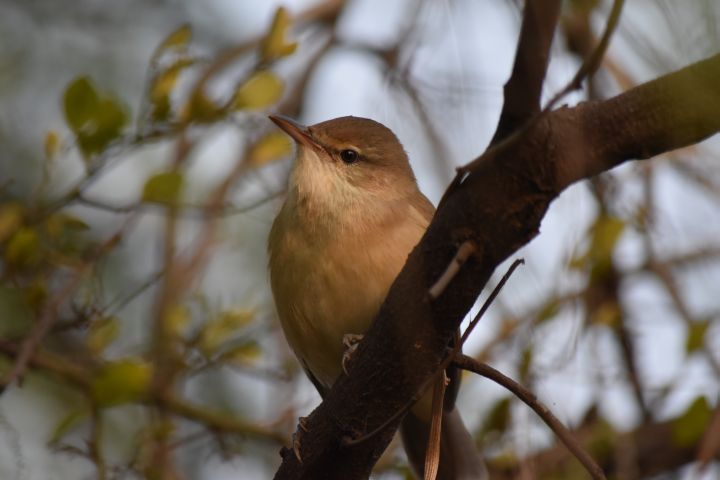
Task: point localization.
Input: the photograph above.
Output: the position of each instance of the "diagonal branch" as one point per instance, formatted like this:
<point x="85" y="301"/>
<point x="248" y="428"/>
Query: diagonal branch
<point x="499" y="206"/>
<point x="529" y="398"/>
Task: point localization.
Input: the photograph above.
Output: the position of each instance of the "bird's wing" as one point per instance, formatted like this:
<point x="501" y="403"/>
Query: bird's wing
<point x="322" y="390"/>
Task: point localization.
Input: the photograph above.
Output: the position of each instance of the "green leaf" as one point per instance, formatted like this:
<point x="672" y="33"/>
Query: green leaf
<point x="691" y="425"/>
<point x="261" y="90"/>
<point x="696" y="336"/>
<point x="274" y="45"/>
<point x="102" y="332"/>
<point x="164" y="188"/>
<point x="222" y="328"/>
<point x="271" y="147"/>
<point x="120" y="382"/>
<point x="96" y="120"/>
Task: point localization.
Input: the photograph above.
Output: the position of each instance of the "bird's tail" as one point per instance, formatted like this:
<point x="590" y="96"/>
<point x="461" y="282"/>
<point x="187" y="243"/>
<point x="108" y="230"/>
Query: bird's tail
<point x="459" y="457"/>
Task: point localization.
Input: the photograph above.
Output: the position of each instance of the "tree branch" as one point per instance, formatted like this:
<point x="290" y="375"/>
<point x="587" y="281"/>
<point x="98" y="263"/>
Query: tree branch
<point x="499" y="206"/>
<point x="529" y="398"/>
<point x="523" y="90"/>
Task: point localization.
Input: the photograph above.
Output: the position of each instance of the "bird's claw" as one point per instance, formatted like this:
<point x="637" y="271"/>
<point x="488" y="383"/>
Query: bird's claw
<point x="350" y="342"/>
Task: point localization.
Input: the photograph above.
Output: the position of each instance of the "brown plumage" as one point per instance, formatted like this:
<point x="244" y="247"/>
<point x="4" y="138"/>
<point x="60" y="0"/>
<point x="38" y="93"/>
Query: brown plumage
<point x="342" y="236"/>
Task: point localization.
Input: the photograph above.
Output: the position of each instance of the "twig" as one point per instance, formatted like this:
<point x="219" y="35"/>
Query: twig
<point x="461" y="256"/>
<point x="529" y="398"/>
<point x="432" y="455"/>
<point x="187" y="208"/>
<point x="491" y="298"/>
<point x="591" y="63"/>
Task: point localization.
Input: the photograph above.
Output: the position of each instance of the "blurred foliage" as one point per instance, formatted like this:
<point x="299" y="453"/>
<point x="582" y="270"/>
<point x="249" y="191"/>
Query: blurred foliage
<point x="56" y="259"/>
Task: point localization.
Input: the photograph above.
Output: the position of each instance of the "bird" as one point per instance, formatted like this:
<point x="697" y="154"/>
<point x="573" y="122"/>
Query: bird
<point x="352" y="214"/>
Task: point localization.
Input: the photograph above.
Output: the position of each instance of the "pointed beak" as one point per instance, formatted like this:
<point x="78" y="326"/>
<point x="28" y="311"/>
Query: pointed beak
<point x="297" y="131"/>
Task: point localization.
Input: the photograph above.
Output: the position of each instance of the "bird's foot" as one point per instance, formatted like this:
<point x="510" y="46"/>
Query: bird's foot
<point x="302" y="428"/>
<point x="350" y="343"/>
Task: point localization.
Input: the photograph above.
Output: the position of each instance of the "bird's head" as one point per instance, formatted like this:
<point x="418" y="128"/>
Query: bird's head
<point x="348" y="159"/>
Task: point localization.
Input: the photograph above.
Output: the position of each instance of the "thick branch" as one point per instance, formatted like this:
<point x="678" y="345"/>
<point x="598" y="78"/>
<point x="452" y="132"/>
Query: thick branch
<point x="499" y="207"/>
<point x="523" y="90"/>
<point x="670" y="112"/>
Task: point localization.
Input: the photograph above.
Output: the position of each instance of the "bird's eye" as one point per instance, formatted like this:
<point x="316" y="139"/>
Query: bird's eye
<point x="349" y="156"/>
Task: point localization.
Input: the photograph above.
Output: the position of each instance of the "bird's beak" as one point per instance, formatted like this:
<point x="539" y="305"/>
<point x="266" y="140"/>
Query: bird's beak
<point x="297" y="131"/>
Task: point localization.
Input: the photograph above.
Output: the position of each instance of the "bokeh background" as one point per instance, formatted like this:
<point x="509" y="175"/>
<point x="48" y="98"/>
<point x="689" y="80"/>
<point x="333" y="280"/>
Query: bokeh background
<point x="613" y="321"/>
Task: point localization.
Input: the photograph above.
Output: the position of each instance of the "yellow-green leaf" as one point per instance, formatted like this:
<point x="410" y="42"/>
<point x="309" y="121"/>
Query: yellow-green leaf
<point x="201" y="108"/>
<point x="261" y="90"/>
<point x="95" y="119"/>
<point x="17" y="316"/>
<point x="80" y="101"/>
<point x="271" y="147"/>
<point x="177" y="40"/>
<point x="275" y="45"/>
<point x="222" y="328"/>
<point x="604" y="235"/>
<point x="164" y="187"/>
<point x="61" y="222"/>
<point x="696" y="336"/>
<point x="162" y="87"/>
<point x="102" y="332"/>
<point x="177" y="318"/>
<point x="52" y="143"/>
<point x="23" y="248"/>
<point x="36" y="293"/>
<point x="64" y="426"/>
<point x="690" y="426"/>
<point x="244" y="354"/>
<point x="608" y="313"/>
<point x="121" y="382"/>
<point x="10" y="219"/>
<point x="499" y="417"/>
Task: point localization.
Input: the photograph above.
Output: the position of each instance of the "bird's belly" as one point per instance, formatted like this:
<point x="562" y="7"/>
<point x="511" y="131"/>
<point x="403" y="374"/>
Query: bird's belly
<point x="324" y="294"/>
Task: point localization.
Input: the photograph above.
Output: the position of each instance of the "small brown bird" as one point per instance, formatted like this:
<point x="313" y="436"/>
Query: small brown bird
<point x="352" y="215"/>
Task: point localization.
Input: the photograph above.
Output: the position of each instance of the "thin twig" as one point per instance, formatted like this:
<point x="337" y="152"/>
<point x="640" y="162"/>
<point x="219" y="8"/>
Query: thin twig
<point x="461" y="257"/>
<point x="591" y="63"/>
<point x="188" y="209"/>
<point x="529" y="398"/>
<point x="491" y="298"/>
